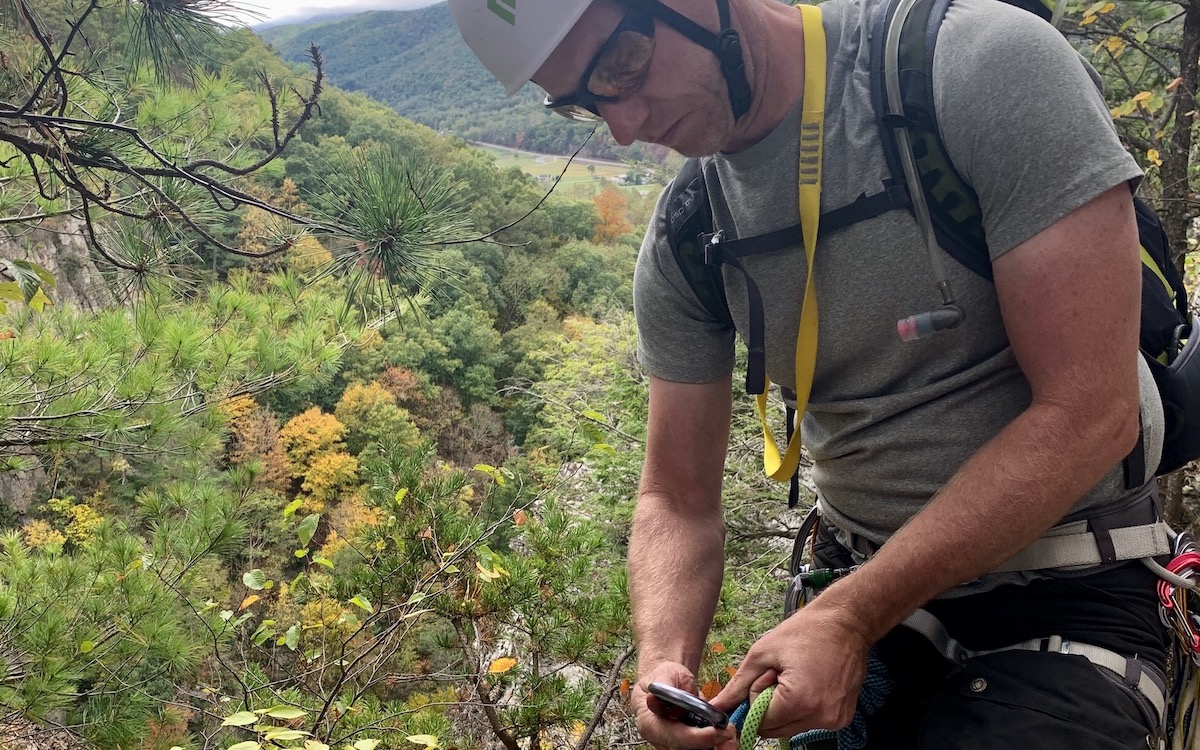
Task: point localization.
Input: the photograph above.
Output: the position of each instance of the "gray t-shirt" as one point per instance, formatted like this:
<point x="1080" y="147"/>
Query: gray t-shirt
<point x="890" y="422"/>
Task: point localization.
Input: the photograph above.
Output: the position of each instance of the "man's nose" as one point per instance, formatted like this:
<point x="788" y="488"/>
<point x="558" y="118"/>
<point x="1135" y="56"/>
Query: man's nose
<point x="625" y="118"/>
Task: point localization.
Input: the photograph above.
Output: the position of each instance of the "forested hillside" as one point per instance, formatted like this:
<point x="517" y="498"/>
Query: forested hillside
<point x="319" y="430"/>
<point x="295" y="449"/>
<point x="416" y="63"/>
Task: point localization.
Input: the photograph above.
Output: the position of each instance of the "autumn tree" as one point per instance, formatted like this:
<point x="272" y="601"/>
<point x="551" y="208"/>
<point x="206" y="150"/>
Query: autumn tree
<point x="254" y="438"/>
<point x="311" y="434"/>
<point x="371" y="414"/>
<point x="611" y="205"/>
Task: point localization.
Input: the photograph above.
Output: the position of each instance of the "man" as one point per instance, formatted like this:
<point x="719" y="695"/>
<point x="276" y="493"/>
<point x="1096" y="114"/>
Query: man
<point x="959" y="450"/>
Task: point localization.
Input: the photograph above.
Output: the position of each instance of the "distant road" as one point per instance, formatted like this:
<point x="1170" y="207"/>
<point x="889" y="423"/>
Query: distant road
<point x="550" y="158"/>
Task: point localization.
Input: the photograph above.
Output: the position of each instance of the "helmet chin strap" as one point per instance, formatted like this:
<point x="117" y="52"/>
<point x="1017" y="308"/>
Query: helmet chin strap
<point x="726" y="45"/>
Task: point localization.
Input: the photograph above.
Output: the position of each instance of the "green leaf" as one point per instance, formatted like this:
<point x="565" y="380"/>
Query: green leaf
<point x="323" y="561"/>
<point x="86" y="647"/>
<point x="371" y="744"/>
<point x="291" y="638"/>
<point x="283" y="734"/>
<point x="251" y="745"/>
<point x="263" y="632"/>
<point x="492" y="472"/>
<point x="30" y="277"/>
<point x="302" y="552"/>
<point x="362" y="603"/>
<point x="240" y="719"/>
<point x="417" y="597"/>
<point x="11" y="292"/>
<point x="595" y="416"/>
<point x="308" y="527"/>
<point x="286" y="712"/>
<point x="255" y="580"/>
<point x="292" y="507"/>
<point x="401" y="494"/>
<point x="39" y="301"/>
<point x="428" y="740"/>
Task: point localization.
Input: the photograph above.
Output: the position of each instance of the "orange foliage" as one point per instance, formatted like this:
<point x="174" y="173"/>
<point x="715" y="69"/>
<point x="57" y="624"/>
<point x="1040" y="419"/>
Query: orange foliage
<point x="403" y="384"/>
<point x="254" y="436"/>
<point x="611" y="205"/>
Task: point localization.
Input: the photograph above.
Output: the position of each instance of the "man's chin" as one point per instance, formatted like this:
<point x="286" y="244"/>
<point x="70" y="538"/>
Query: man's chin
<point x="696" y="142"/>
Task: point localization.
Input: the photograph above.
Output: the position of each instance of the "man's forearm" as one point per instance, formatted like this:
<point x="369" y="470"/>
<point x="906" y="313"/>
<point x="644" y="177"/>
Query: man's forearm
<point x="676" y="563"/>
<point x="1002" y="500"/>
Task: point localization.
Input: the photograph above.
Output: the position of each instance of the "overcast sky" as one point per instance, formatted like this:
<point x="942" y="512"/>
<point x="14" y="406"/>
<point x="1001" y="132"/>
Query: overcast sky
<point x="282" y="10"/>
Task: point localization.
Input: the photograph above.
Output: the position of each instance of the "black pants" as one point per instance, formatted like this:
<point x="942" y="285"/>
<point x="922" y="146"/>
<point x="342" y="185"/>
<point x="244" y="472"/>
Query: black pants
<point x="1021" y="700"/>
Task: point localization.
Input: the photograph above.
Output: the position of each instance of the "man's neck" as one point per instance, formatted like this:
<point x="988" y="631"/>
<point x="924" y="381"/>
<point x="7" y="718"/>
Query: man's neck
<point x="773" y="35"/>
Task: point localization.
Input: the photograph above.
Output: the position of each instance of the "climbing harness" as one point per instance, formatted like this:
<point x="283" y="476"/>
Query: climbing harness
<point x="1085" y="542"/>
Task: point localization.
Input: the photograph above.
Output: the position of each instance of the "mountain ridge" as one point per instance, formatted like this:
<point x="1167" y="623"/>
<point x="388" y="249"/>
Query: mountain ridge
<point x="415" y="62"/>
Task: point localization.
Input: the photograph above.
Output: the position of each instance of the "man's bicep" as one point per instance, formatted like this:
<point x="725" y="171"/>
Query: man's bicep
<point x="1071" y="297"/>
<point x="686" y="440"/>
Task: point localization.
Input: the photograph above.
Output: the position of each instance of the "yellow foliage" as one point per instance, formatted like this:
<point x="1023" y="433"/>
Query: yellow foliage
<point x="308" y="435"/>
<point x="502" y="665"/>
<point x="370" y="413"/>
<point x="236" y="408"/>
<point x="321" y="613"/>
<point x="308" y="255"/>
<point x="360" y="397"/>
<point x="82" y="520"/>
<point x="333" y="545"/>
<point x="327" y="477"/>
<point x="41" y="535"/>
<point x="352" y="516"/>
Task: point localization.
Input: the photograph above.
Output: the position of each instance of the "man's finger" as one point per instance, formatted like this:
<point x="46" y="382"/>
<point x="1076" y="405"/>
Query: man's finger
<point x="752" y="684"/>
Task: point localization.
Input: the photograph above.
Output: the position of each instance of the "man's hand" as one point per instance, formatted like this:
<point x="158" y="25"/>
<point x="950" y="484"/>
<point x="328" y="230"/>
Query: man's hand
<point x="663" y="732"/>
<point x="817" y="659"/>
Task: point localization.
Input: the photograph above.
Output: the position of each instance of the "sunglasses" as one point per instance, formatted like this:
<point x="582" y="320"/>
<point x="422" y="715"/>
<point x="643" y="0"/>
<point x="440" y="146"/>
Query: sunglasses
<point x="617" y="70"/>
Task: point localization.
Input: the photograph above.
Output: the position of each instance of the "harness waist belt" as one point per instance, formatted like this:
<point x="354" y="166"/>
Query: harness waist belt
<point x="1134" y="531"/>
<point x="1083" y="549"/>
<point x="1129" y="671"/>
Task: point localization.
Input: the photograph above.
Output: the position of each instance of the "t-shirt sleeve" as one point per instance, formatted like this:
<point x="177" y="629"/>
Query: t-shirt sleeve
<point x="1023" y="120"/>
<point x="678" y="340"/>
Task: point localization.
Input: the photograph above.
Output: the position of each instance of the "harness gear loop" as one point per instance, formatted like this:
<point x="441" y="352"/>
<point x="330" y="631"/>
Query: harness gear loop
<point x="812" y="138"/>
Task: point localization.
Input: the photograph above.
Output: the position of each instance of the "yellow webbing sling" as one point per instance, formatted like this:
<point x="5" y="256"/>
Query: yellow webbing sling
<point x="812" y="132"/>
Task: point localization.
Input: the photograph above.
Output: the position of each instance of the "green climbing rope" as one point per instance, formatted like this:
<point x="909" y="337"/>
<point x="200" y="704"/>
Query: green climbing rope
<point x="748" y="732"/>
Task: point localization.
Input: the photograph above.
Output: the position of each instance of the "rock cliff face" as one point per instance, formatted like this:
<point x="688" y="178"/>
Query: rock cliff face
<point x="57" y="245"/>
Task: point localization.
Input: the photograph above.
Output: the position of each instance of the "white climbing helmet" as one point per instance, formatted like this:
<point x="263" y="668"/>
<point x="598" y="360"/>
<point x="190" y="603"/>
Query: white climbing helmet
<point x="513" y="39"/>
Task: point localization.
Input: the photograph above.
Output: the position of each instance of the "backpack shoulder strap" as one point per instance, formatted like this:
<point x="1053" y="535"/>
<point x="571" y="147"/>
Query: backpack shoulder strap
<point x="689" y="216"/>
<point x="953" y="205"/>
